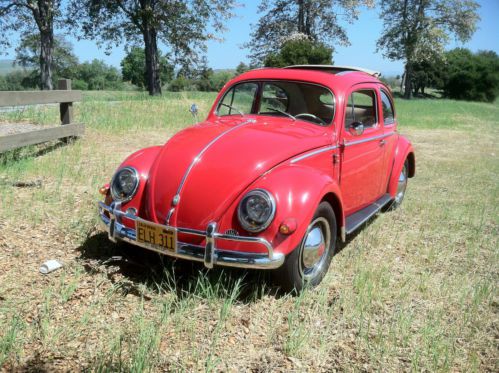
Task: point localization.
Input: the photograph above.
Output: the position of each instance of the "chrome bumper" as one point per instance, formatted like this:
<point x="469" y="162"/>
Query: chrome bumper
<point x="208" y="254"/>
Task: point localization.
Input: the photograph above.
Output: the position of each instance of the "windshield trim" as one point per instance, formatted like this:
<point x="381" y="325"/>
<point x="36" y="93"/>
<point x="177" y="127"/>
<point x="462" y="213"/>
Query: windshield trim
<point x="258" y="95"/>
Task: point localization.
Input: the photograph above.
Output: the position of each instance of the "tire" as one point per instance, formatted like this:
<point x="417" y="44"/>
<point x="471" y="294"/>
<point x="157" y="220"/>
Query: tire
<point x="306" y="265"/>
<point x="401" y="188"/>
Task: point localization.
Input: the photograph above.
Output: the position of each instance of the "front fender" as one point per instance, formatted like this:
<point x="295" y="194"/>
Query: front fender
<point x="403" y="151"/>
<point x="298" y="190"/>
<point x="142" y="161"/>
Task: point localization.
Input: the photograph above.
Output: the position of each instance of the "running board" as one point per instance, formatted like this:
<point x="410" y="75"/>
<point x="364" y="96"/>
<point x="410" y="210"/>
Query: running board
<point x="355" y="220"/>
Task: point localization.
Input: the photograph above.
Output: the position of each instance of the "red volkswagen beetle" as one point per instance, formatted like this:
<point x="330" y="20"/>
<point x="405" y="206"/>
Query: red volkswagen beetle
<point x="287" y="162"/>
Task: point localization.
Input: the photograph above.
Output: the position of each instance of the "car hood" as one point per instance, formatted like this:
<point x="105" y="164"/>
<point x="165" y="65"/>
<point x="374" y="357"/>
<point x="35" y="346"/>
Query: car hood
<point x="209" y="164"/>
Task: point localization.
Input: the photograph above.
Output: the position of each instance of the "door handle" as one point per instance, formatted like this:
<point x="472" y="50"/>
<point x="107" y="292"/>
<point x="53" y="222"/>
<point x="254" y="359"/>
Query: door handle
<point x="382" y="143"/>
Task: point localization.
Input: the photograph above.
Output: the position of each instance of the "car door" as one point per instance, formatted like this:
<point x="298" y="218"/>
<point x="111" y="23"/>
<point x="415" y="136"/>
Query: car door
<point x="389" y="121"/>
<point x="362" y="149"/>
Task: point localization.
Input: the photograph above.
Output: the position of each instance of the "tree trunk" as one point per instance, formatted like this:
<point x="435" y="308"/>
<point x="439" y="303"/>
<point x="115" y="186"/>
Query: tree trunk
<point x="152" y="61"/>
<point x="301" y="17"/>
<point x="46" y="58"/>
<point x="408" y="80"/>
<point x="43" y="14"/>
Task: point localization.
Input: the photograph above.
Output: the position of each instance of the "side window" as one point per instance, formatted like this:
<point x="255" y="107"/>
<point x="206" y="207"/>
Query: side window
<point x="238" y="99"/>
<point x="361" y="107"/>
<point x="388" y="115"/>
<point x="273" y="98"/>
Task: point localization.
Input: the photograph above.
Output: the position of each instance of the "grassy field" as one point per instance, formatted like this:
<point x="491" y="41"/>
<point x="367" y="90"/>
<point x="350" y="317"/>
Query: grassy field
<point x="415" y="290"/>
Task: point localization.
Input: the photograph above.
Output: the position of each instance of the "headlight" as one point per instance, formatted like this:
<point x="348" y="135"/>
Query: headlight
<point x="256" y="210"/>
<point x="124" y="184"/>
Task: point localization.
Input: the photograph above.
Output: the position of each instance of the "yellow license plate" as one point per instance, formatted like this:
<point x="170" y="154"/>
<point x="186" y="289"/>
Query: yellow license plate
<point x="157" y="236"/>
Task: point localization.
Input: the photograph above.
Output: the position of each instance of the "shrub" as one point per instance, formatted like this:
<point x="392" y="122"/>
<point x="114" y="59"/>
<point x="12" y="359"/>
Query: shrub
<point x="469" y="76"/>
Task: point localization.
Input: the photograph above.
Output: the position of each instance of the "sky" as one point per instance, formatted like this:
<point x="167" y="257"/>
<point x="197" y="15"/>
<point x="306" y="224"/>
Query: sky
<point x="363" y="34"/>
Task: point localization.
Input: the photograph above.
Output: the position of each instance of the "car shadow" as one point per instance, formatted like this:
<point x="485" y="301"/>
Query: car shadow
<point x="160" y="273"/>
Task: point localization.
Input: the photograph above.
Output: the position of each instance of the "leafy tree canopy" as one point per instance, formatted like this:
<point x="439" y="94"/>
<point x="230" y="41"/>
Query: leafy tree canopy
<point x="418" y="30"/>
<point x="182" y="26"/>
<point x="299" y="50"/>
<point x="63" y="63"/>
<point x="25" y="16"/>
<point x="317" y="19"/>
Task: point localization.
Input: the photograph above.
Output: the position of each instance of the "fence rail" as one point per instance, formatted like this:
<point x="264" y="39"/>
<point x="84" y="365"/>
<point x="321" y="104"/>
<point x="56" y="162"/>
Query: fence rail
<point x="64" y="96"/>
<point x="22" y="98"/>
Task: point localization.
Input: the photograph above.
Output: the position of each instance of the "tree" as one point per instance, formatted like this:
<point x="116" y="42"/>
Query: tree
<point x="133" y="67"/>
<point x="63" y="63"/>
<point x="317" y="19"/>
<point x="242" y="68"/>
<point x="26" y="15"/>
<point x="299" y="50"/>
<point x="181" y="25"/>
<point x="418" y="30"/>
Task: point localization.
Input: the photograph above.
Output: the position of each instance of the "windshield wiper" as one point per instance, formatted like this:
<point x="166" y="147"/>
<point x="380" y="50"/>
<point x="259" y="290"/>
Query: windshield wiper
<point x="280" y="111"/>
<point x="233" y="108"/>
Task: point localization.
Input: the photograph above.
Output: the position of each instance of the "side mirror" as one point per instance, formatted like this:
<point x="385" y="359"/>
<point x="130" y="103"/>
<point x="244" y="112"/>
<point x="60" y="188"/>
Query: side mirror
<point x="194" y="110"/>
<point x="356" y="128"/>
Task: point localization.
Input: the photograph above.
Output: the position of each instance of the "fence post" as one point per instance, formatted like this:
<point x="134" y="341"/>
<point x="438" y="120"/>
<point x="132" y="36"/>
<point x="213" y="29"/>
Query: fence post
<point x="65" y="108"/>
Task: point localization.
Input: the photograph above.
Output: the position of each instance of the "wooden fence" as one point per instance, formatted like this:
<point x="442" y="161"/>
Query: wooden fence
<point x="64" y="96"/>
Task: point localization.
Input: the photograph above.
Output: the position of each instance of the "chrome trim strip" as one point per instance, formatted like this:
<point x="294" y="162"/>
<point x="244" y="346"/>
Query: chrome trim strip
<point x="351" y="143"/>
<point x="197" y="158"/>
<point x="169" y="216"/>
<point x="269" y="260"/>
<point x="313" y="152"/>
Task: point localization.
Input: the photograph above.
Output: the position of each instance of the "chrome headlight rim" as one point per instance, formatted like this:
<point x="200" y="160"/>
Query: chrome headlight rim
<point x="270" y="199"/>
<point x="132" y="194"/>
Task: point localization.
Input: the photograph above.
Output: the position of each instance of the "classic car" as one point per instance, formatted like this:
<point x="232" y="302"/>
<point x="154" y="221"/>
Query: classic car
<point x="288" y="162"/>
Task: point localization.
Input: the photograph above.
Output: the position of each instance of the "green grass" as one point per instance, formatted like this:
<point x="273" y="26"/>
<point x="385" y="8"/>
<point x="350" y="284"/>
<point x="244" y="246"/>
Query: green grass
<point x="415" y="290"/>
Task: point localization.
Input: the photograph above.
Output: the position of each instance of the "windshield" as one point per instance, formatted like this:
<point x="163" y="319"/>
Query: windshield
<point x="296" y="100"/>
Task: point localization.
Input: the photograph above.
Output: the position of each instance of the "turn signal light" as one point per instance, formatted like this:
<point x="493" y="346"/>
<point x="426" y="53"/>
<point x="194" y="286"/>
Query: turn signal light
<point x="288" y="226"/>
<point x="104" y="189"/>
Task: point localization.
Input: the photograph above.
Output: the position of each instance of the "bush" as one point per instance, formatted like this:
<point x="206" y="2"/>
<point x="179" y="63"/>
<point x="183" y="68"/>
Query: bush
<point x="473" y="77"/>
<point x="180" y="84"/>
<point x="219" y="78"/>
<point x="17" y="81"/>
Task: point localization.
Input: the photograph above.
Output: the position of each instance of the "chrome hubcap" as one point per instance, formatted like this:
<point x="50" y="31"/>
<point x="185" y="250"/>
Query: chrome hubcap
<point x="315" y="247"/>
<point x="402" y="185"/>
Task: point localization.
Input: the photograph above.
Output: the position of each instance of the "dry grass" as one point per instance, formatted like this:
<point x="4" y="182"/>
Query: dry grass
<point x="414" y="290"/>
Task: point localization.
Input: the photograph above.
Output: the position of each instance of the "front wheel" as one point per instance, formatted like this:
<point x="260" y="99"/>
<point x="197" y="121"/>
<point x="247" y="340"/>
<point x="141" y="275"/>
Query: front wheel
<point x="308" y="263"/>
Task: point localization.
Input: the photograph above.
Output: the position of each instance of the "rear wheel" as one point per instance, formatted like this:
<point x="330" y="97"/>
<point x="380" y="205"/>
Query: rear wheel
<point x="308" y="263"/>
<point x="401" y="187"/>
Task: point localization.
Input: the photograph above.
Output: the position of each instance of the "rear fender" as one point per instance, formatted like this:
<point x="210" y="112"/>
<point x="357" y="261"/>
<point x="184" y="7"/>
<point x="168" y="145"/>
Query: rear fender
<point x="297" y="190"/>
<point x="403" y="151"/>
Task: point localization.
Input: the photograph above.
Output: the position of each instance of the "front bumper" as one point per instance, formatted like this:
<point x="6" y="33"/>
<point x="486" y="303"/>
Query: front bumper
<point x="208" y="254"/>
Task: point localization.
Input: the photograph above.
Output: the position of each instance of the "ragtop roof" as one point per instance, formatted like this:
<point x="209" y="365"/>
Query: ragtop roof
<point x="338" y="70"/>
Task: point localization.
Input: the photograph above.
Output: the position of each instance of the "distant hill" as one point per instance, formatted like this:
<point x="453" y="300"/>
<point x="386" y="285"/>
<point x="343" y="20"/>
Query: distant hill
<point x="7" y="66"/>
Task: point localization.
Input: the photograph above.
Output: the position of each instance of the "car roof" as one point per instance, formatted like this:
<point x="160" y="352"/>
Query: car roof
<point x="334" y="77"/>
<point x="336" y="69"/>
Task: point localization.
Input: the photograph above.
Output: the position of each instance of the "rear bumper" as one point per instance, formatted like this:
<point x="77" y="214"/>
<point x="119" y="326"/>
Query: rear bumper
<point x="208" y="254"/>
